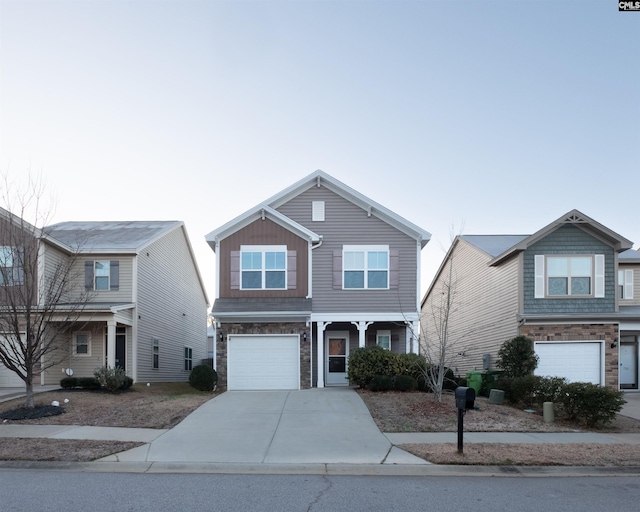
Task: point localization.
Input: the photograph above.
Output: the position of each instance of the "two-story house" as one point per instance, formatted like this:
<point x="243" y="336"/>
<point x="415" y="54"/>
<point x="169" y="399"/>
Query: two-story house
<point x="141" y="305"/>
<point x="569" y="287"/>
<point x="308" y="275"/>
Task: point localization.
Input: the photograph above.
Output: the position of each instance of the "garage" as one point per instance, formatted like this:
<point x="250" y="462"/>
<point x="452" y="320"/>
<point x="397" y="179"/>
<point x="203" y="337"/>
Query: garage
<point x="576" y="361"/>
<point x="257" y="362"/>
<point x="9" y="379"/>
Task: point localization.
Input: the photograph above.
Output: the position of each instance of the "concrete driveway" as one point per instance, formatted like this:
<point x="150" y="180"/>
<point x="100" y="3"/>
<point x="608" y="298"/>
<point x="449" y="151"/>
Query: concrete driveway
<point x="330" y="425"/>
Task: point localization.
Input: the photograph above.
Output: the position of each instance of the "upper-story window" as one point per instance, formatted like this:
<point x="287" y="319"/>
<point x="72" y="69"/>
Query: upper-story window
<point x="263" y="267"/>
<point x="569" y="276"/>
<point x="102" y="275"/>
<point x="11" y="269"/>
<point x="365" y="267"/>
<point x="625" y="284"/>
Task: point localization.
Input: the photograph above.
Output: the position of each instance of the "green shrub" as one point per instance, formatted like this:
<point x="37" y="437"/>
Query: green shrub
<point x="591" y="404"/>
<point x="411" y="364"/>
<point x="88" y="383"/>
<point x="367" y="362"/>
<point x="381" y="383"/>
<point x="405" y="383"/>
<point x="517" y="357"/>
<point x="522" y="390"/>
<point x="69" y="383"/>
<point x="111" y="379"/>
<point x="549" y="389"/>
<point x="203" y="377"/>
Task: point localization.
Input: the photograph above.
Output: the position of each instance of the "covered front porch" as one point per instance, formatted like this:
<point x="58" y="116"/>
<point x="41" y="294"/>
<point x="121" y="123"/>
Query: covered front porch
<point x="333" y="337"/>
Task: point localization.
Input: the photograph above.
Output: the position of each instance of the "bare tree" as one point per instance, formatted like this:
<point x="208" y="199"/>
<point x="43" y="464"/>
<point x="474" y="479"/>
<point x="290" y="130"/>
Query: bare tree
<point x="39" y="301"/>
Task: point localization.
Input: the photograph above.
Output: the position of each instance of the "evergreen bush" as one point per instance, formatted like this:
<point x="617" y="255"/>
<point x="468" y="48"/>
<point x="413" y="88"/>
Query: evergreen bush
<point x="405" y="383"/>
<point x="203" y="377"/>
<point x="381" y="383"/>
<point x="517" y="357"/>
<point x="367" y="362"/>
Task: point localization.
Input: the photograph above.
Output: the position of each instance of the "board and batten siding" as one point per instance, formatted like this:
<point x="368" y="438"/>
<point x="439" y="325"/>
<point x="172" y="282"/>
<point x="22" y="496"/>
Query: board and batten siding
<point x="264" y="232"/>
<point x="171" y="307"/>
<point x="483" y="315"/>
<point x="569" y="240"/>
<point x="347" y="224"/>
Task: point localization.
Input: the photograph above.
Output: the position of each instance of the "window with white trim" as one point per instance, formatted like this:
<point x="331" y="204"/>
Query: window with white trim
<point x="188" y="359"/>
<point x="101" y="274"/>
<point x="82" y="344"/>
<point x="263" y="267"/>
<point x="156" y="353"/>
<point x="569" y="276"/>
<point x="11" y="269"/>
<point x="365" y="267"/>
<point x="625" y="284"/>
<point x="383" y="339"/>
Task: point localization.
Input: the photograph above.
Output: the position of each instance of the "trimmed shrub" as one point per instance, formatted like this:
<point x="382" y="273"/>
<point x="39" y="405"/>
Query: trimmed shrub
<point x="367" y="362"/>
<point x="111" y="379"/>
<point x="203" y="377"/>
<point x="522" y="390"/>
<point x="591" y="404"/>
<point x="549" y="389"/>
<point x="69" y="383"/>
<point x="88" y="383"/>
<point x="405" y="383"/>
<point x="517" y="357"/>
<point x="381" y="383"/>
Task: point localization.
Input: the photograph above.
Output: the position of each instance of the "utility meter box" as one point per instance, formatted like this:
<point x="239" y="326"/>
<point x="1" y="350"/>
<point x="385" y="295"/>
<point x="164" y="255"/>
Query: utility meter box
<point x="465" y="397"/>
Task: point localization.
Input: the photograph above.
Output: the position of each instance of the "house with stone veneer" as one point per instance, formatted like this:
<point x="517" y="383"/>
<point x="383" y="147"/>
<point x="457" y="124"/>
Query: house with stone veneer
<point x="572" y="287"/>
<point x="305" y="277"/>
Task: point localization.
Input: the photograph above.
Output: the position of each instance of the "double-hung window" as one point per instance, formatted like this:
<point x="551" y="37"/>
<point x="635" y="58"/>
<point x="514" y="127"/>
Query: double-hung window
<point x="625" y="284"/>
<point x="263" y="267"/>
<point x="383" y="339"/>
<point x="569" y="275"/>
<point x="82" y="344"/>
<point x="11" y="272"/>
<point x="365" y="267"/>
<point x="188" y="359"/>
<point x="155" y="347"/>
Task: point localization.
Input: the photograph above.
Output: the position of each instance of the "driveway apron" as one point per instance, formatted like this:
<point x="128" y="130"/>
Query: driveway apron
<point x="328" y="425"/>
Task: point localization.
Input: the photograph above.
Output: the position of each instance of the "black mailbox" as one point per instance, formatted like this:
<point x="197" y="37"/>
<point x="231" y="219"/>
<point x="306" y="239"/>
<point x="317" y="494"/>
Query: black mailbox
<point x="465" y="397"/>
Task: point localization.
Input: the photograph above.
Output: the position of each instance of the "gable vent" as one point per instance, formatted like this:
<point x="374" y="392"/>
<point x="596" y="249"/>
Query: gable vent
<point x="574" y="218"/>
<point x="317" y="211"/>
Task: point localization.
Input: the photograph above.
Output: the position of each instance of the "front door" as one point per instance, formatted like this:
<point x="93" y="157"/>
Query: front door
<point x="121" y="348"/>
<point x="628" y="365"/>
<point x="337" y="353"/>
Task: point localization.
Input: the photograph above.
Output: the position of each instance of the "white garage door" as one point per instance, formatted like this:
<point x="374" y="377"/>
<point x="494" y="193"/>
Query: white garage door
<point x="9" y="379"/>
<point x="263" y="362"/>
<point x="576" y="361"/>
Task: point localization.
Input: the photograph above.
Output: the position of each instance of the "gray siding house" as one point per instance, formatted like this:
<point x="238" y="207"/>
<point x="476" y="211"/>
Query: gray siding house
<point x="308" y="275"/>
<point x="571" y="287"/>
<point x="146" y="305"/>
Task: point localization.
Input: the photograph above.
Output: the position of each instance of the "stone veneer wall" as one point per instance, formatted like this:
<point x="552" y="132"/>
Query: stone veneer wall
<point x="578" y="332"/>
<point x="265" y="328"/>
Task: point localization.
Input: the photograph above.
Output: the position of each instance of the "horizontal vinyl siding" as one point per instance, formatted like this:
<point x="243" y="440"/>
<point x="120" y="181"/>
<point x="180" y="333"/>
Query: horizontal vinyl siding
<point x="171" y="308"/>
<point x="347" y="224"/>
<point x="125" y="289"/>
<point x="82" y="365"/>
<point x="569" y="240"/>
<point x="264" y="232"/>
<point x="636" y="286"/>
<point x="484" y="309"/>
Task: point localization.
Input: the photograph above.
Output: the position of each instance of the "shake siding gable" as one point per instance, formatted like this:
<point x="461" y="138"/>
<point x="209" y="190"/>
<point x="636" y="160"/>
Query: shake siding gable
<point x="484" y="310"/>
<point x="569" y="240"/>
<point x="347" y="224"/>
<point x="171" y="307"/>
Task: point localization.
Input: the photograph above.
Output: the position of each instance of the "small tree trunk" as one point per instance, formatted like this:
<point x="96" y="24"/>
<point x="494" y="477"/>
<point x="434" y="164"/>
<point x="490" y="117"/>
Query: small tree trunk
<point x="29" y="389"/>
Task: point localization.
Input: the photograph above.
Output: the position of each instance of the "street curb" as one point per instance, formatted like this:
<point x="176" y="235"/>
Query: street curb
<point x="324" y="469"/>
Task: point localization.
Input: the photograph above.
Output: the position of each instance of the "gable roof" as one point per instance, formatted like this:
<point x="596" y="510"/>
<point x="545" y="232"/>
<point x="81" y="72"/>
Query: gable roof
<point x="128" y="237"/>
<point x="575" y="218"/>
<point x="493" y="245"/>
<point x="629" y="256"/>
<point x="317" y="179"/>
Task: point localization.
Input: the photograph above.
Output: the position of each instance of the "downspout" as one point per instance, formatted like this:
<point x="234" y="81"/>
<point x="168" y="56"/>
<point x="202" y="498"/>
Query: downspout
<point x="310" y="268"/>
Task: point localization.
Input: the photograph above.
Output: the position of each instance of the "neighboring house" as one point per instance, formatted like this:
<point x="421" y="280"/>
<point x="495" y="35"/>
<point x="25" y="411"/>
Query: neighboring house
<point x="147" y="306"/>
<point x="573" y="288"/>
<point x="308" y="275"/>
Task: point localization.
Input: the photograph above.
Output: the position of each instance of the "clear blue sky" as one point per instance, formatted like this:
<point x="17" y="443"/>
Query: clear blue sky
<point x="498" y="116"/>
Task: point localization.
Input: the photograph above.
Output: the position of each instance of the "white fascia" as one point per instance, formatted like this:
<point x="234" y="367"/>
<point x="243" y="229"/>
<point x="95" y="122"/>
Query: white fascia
<point x="365" y="317"/>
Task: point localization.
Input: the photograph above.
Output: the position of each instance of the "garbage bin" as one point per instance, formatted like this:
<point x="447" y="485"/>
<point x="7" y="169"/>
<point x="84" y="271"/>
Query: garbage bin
<point x="474" y="380"/>
<point x="492" y="380"/>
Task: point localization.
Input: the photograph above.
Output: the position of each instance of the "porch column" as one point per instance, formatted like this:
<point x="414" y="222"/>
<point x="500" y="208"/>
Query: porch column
<point x="362" y="331"/>
<point x="320" y="352"/>
<point x="111" y="344"/>
<point x="412" y="330"/>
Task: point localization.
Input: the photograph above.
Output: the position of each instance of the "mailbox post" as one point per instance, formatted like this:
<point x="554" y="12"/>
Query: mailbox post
<point x="465" y="398"/>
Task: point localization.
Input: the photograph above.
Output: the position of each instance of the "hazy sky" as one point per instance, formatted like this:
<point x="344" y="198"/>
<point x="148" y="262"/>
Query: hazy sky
<point x="499" y="116"/>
